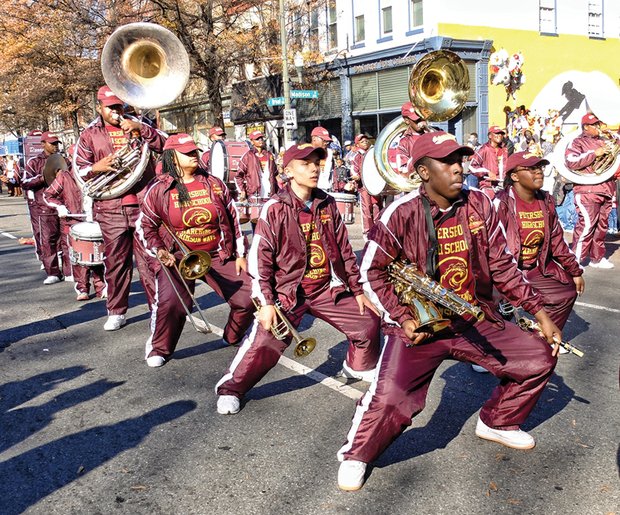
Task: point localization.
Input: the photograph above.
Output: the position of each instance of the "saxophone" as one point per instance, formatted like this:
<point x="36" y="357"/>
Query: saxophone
<point x="421" y="294"/>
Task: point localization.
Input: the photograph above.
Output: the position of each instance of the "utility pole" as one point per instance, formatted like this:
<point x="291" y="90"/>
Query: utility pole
<point x="285" y="80"/>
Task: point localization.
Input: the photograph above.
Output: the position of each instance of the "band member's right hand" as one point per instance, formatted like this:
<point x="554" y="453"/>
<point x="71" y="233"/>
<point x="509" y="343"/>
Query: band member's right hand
<point x="165" y="257"/>
<point x="549" y="330"/>
<point x="104" y="165"/>
<point x="409" y="326"/>
<point x="580" y="284"/>
<point x="267" y="316"/>
<point x="600" y="151"/>
<point x="63" y="212"/>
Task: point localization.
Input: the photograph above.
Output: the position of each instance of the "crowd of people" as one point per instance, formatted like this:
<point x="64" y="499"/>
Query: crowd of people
<point x="300" y="259"/>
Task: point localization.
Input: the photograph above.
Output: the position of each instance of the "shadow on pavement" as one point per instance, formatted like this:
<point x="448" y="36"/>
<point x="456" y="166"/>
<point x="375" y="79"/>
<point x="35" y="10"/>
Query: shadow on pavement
<point x="37" y="473"/>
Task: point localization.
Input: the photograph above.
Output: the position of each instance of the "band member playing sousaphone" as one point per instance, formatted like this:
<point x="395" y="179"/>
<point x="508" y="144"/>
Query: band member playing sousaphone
<point x="301" y="261"/>
<point x="454" y="236"/>
<point x="416" y="126"/>
<point x="45" y="222"/>
<point x="186" y="205"/>
<point x="592" y="201"/>
<point x="94" y="154"/>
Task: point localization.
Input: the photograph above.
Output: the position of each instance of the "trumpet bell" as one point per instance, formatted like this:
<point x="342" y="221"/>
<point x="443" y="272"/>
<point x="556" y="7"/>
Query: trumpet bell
<point x="145" y="65"/>
<point x="195" y="264"/>
<point x="305" y="347"/>
<point x="439" y="85"/>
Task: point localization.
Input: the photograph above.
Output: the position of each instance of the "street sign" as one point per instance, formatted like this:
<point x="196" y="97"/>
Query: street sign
<point x="275" y="101"/>
<point x="290" y="119"/>
<point x="305" y="93"/>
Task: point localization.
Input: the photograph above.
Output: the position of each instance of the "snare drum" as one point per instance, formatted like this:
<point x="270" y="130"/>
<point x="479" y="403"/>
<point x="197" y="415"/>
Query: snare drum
<point x="346" y="204"/>
<point x="86" y="244"/>
<point x="224" y="159"/>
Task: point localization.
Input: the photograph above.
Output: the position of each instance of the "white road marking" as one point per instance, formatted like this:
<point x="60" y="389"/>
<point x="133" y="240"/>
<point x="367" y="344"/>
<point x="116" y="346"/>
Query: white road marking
<point x="594" y="306"/>
<point x="8" y="235"/>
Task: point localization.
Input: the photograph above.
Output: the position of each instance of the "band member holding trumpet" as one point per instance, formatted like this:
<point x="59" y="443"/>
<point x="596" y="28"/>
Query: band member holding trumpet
<point x="301" y="261"/>
<point x="44" y="219"/>
<point x="536" y="238"/>
<point x="186" y="207"/>
<point x="453" y="236"/>
<point x="592" y="201"/>
<point x="94" y="154"/>
<point x="489" y="162"/>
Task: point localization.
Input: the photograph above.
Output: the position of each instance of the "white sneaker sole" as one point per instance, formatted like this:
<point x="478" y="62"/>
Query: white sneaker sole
<point x="497" y="439"/>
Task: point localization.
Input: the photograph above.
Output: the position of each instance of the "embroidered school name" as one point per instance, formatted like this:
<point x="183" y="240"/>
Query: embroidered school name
<point x="450" y="233"/>
<point x="535" y="216"/>
<point x="194" y="201"/>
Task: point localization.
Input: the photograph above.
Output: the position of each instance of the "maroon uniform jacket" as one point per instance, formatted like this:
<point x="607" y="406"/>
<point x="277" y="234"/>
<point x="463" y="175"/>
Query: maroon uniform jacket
<point x="154" y="211"/>
<point x="33" y="180"/>
<point x="64" y="191"/>
<point x="405" y="145"/>
<point x="277" y="260"/>
<point x="401" y="233"/>
<point x="250" y="171"/>
<point x="485" y="161"/>
<point x="95" y="144"/>
<point x="357" y="161"/>
<point x="580" y="156"/>
<point x="555" y="258"/>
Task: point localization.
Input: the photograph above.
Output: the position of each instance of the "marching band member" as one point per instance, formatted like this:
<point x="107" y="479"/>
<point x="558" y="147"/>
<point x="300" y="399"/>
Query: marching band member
<point x="453" y="235"/>
<point x="66" y="197"/>
<point x="301" y="257"/>
<point x="199" y="210"/>
<point x="535" y="236"/>
<point x="489" y="162"/>
<point x="592" y="201"/>
<point x="215" y="134"/>
<point x="370" y="205"/>
<point x="320" y="138"/>
<point x="94" y="154"/>
<point x="44" y="219"/>
<point x="416" y="126"/>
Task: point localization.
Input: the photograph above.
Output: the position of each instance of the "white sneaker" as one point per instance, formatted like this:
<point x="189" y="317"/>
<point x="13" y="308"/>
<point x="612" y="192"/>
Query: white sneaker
<point x="115" y="322"/>
<point x="69" y="279"/>
<point x="155" y="361"/>
<point x="363" y="375"/>
<point x="51" y="279"/>
<point x="516" y="439"/>
<point x="603" y="263"/>
<point x="228" y="405"/>
<point x="479" y="369"/>
<point x="351" y="475"/>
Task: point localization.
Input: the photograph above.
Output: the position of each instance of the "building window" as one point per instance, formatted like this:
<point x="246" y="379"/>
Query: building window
<point x="314" y="29"/>
<point x="360" y="34"/>
<point x="416" y="13"/>
<point x="386" y="19"/>
<point x="595" y="18"/>
<point x="547" y="17"/>
<point x="332" y="26"/>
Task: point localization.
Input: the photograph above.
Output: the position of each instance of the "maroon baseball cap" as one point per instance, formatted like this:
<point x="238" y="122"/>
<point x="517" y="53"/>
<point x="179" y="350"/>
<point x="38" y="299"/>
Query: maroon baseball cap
<point x="496" y="129"/>
<point x="215" y="130"/>
<point x="321" y="132"/>
<point x="360" y="137"/>
<point x="408" y="111"/>
<point x="49" y="137"/>
<point x="302" y="152"/>
<point x="184" y="143"/>
<point x="524" y="159"/>
<point x="589" y="119"/>
<point x="107" y="97"/>
<point x="255" y="135"/>
<point x="437" y="145"/>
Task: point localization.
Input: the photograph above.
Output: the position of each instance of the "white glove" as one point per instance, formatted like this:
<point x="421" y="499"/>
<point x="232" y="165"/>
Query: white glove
<point x="63" y="212"/>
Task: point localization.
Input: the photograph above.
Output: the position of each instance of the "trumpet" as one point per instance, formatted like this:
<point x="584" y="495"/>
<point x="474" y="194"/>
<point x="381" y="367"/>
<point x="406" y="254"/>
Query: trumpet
<point x="529" y="325"/>
<point x="284" y="328"/>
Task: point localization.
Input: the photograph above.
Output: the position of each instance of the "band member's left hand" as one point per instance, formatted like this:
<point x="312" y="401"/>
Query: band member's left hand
<point x="580" y="284"/>
<point x="549" y="330"/>
<point x="130" y="125"/>
<point x="364" y="302"/>
<point x="241" y="264"/>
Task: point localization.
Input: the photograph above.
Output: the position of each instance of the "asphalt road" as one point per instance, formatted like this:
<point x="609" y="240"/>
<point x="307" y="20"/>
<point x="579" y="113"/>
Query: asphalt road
<point x="86" y="427"/>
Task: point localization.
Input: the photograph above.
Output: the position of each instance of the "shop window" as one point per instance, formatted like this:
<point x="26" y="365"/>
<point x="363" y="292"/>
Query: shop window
<point x="595" y="18"/>
<point x="547" y="15"/>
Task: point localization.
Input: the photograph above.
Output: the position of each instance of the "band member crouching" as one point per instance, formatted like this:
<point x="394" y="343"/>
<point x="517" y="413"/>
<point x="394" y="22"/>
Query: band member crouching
<point x="301" y="257"/>
<point x="535" y="236"/>
<point x="469" y="256"/>
<point x="198" y="208"/>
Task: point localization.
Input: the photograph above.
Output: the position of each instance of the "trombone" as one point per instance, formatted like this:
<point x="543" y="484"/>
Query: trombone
<point x="284" y="328"/>
<point x="193" y="265"/>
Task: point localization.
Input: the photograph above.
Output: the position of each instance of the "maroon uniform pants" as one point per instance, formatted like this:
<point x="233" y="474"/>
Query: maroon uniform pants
<point x="120" y="244"/>
<point x="261" y="350"/>
<point x="592" y="221"/>
<point x="559" y="297"/>
<point x="168" y="315"/>
<point x="370" y="207"/>
<point x="46" y="230"/>
<point x="521" y="361"/>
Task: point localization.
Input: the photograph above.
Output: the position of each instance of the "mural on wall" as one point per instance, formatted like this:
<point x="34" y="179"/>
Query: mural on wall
<point x="506" y="70"/>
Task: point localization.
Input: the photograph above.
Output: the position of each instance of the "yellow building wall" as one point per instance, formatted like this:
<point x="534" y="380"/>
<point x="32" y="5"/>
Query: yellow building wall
<point x="544" y="58"/>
